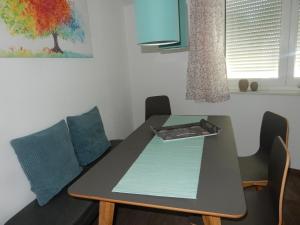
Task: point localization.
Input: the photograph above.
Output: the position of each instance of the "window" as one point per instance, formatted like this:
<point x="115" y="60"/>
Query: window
<point x="297" y="61"/>
<point x="263" y="42"/>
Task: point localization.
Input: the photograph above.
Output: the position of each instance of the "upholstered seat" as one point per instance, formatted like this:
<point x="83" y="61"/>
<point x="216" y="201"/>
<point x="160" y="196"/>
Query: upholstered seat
<point x="62" y="209"/>
<point x="254" y="168"/>
<point x="264" y="207"/>
<point x="260" y="209"/>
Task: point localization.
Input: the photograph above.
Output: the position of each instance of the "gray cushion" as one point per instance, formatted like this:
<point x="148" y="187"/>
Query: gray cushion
<point x="88" y="136"/>
<point x="114" y="143"/>
<point x="48" y="160"/>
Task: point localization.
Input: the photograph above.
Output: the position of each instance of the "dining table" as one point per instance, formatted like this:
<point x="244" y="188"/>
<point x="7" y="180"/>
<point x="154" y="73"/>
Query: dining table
<point x="203" y="175"/>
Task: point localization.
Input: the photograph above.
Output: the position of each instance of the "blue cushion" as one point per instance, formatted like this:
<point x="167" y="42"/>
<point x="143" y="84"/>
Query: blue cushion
<point x="48" y="160"/>
<point x="88" y="136"/>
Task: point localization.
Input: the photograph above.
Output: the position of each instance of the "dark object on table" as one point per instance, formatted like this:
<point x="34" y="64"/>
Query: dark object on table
<point x="157" y="105"/>
<point x="202" y="128"/>
<point x="243" y="85"/>
<point x="63" y="209"/>
<point x="254" y="86"/>
<point x="254" y="168"/>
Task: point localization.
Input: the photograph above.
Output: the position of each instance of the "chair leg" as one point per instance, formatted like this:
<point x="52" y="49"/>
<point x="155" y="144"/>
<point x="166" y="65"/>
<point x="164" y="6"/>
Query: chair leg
<point x="211" y="220"/>
<point x="259" y="188"/>
<point x="194" y="219"/>
<point x="257" y="184"/>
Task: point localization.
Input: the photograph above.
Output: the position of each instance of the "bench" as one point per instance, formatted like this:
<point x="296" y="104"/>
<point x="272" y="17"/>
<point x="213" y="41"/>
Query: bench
<point x="62" y="209"/>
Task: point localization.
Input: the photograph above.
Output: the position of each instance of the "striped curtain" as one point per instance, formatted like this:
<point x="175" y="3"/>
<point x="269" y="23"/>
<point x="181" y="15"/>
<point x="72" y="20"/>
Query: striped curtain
<point x="207" y="76"/>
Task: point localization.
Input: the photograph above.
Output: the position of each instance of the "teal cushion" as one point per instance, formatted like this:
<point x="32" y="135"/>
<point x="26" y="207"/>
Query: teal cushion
<point x="48" y="160"/>
<point x="88" y="136"/>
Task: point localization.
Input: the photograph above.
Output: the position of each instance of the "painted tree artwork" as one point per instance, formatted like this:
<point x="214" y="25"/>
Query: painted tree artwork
<point x="44" y="28"/>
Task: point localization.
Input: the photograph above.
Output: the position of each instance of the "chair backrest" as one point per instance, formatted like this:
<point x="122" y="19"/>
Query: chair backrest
<point x="278" y="168"/>
<point x="157" y="105"/>
<point x="273" y="125"/>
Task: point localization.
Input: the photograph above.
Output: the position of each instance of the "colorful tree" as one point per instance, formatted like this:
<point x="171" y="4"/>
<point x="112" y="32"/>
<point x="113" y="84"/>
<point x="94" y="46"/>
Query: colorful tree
<point x="73" y="29"/>
<point x="12" y="13"/>
<point x="41" y="18"/>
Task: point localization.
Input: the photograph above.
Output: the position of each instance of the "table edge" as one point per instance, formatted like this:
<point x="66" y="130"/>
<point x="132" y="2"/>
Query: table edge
<point x="208" y="213"/>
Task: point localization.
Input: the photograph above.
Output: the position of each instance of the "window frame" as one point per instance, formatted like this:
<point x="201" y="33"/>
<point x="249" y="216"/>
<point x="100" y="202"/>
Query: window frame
<point x="291" y="80"/>
<point x="287" y="53"/>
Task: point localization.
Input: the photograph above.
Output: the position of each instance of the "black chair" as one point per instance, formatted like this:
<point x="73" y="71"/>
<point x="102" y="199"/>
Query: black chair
<point x="254" y="168"/>
<point x="157" y="105"/>
<point x="264" y="207"/>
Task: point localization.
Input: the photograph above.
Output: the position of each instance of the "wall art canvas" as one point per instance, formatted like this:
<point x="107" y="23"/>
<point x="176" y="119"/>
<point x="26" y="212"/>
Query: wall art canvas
<point x="44" y="28"/>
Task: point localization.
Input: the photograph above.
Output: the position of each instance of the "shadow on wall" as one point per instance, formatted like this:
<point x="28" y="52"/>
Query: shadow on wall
<point x="156" y="49"/>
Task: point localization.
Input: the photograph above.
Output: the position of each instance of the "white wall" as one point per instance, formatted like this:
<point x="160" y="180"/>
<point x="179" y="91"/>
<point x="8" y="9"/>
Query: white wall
<point x="154" y="73"/>
<point x="36" y="93"/>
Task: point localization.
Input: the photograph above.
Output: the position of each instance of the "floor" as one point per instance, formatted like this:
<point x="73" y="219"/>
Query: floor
<point x="291" y="207"/>
<point x="126" y="215"/>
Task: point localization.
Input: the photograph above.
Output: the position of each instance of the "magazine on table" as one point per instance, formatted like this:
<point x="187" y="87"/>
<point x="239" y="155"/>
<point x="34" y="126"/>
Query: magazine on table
<point x="202" y="128"/>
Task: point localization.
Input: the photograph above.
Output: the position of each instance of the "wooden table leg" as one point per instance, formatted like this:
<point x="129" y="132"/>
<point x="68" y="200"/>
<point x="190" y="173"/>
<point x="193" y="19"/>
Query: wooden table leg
<point x="106" y="213"/>
<point x="211" y="220"/>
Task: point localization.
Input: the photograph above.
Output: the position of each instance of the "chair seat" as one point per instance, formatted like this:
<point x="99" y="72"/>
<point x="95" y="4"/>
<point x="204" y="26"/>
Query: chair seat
<point x="254" y="167"/>
<point x="61" y="210"/>
<point x="260" y="209"/>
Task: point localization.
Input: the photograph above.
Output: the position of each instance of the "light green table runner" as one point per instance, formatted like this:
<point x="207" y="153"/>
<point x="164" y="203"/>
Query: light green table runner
<point x="168" y="169"/>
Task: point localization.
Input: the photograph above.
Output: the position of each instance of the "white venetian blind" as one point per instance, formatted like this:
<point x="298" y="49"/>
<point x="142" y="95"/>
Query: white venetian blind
<point x="297" y="62"/>
<point x="253" y="38"/>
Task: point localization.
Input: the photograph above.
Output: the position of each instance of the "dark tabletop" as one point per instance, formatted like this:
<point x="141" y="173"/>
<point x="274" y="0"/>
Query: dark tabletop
<point x="220" y="191"/>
